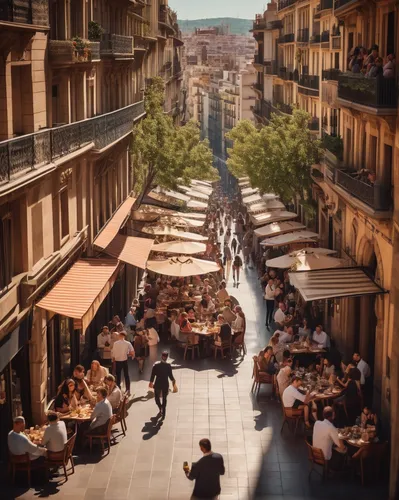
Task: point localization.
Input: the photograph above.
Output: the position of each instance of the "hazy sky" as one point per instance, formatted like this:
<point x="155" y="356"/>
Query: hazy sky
<point x="199" y="9"/>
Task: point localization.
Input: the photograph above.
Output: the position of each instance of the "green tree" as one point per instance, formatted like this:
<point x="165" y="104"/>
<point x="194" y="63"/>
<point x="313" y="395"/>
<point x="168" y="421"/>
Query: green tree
<point x="163" y="154"/>
<point x="277" y="158"/>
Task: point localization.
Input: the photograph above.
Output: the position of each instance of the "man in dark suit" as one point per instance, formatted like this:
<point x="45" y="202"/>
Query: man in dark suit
<point x="206" y="472"/>
<point x="162" y="372"/>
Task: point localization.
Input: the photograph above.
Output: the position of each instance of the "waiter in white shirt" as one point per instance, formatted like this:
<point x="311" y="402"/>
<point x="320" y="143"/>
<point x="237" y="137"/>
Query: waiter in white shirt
<point x="19" y="443"/>
<point x="121" y="351"/>
<point x="362" y="366"/>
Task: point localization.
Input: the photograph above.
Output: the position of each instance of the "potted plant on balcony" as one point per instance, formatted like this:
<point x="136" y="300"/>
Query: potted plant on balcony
<point x="95" y="31"/>
<point x="82" y="50"/>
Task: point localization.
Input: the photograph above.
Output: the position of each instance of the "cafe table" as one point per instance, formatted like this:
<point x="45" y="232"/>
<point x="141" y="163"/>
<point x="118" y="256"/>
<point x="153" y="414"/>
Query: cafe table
<point x="36" y="434"/>
<point x="354" y="435"/>
<point x="302" y="348"/>
<point x="82" y="414"/>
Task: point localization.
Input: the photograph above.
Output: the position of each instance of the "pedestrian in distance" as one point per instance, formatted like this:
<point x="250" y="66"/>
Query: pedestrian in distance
<point x="206" y="472"/>
<point x="162" y="373"/>
<point x="121" y="351"/>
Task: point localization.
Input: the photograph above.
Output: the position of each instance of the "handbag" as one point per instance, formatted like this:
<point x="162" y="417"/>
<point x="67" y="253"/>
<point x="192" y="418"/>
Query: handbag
<point x="175" y="389"/>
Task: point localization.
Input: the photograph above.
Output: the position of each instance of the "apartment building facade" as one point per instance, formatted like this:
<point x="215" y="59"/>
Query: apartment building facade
<point x="303" y="54"/>
<point x="71" y="89"/>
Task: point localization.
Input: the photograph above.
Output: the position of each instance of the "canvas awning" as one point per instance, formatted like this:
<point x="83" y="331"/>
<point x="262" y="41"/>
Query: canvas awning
<point x="199" y="205"/>
<point x="277" y="228"/>
<point x="193" y="193"/>
<point x="305" y="261"/>
<point x="247" y="191"/>
<point x="268" y="217"/>
<point x="254" y="198"/>
<point x="176" y="194"/>
<point x="80" y="292"/>
<point x="111" y="229"/>
<point x="130" y="249"/>
<point x="204" y="183"/>
<point x="203" y="189"/>
<point x="334" y="283"/>
<point x="190" y="215"/>
<point x="171" y="231"/>
<point x="288" y="238"/>
<point x="275" y="205"/>
<point x="178" y="221"/>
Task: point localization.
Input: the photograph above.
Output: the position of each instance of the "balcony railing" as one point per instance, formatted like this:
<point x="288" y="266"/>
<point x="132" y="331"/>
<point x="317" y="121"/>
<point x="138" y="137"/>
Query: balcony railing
<point x="331" y="74"/>
<point x="25" y="12"/>
<point x="336" y="42"/>
<point x="259" y="23"/>
<point x="303" y="35"/>
<point x="325" y="36"/>
<point x="341" y="3"/>
<point x="258" y="86"/>
<point x="283" y="4"/>
<point x="376" y="196"/>
<point x="287" y="38"/>
<point x="314" y="124"/>
<point x="258" y="59"/>
<point x="282" y="107"/>
<point x="116" y="45"/>
<point x="286" y="74"/>
<point x="315" y="39"/>
<point x="377" y="92"/>
<point x="270" y="67"/>
<point x="64" y="52"/>
<point x="167" y="17"/>
<point x="274" y="25"/>
<point x="326" y="4"/>
<point x="23" y="154"/>
<point x="309" y="81"/>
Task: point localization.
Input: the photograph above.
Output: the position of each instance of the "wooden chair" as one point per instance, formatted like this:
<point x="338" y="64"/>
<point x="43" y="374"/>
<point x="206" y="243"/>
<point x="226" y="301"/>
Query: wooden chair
<point x="192" y="346"/>
<point x="120" y="415"/>
<point x="102" y="437"/>
<point x="61" y="458"/>
<point x="23" y="463"/>
<point x="259" y="377"/>
<point x="371" y="454"/>
<point x="316" y="457"/>
<point x="292" y="416"/>
<point x="222" y="348"/>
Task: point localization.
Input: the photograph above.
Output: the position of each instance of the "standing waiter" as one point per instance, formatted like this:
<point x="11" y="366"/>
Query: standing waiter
<point x="162" y="372"/>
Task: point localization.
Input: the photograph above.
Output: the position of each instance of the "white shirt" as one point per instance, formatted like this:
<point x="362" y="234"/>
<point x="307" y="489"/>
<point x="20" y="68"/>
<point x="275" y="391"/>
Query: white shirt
<point x="55" y="436"/>
<point x="19" y="444"/>
<point x="238" y="324"/>
<point x="325" y="435"/>
<point x="283" y="378"/>
<point x="101" y="414"/>
<point x="269" y="292"/>
<point x="115" y="397"/>
<point x="285" y="338"/>
<point x="121" y="350"/>
<point x="290" y="395"/>
<point x="364" y="370"/>
<point x="102" y="339"/>
<point x="279" y="316"/>
<point x="320" y="338"/>
<point x="96" y="377"/>
<point x="174" y="329"/>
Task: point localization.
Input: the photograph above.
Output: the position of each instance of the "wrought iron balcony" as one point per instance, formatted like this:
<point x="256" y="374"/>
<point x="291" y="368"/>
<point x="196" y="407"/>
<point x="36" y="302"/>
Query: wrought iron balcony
<point x="286" y="74"/>
<point x="314" y="124"/>
<point x="338" y="4"/>
<point x="303" y="35"/>
<point x="309" y="81"/>
<point x="377" y="196"/>
<point x="377" y="92"/>
<point x="116" y="45"/>
<point x="259" y="23"/>
<point x="325" y="37"/>
<point x="283" y="4"/>
<point x="25" y="12"/>
<point x="63" y="52"/>
<point x="270" y="67"/>
<point x="140" y="43"/>
<point x="24" y="154"/>
<point x="326" y="4"/>
<point x="167" y="17"/>
<point x="287" y="38"/>
<point x="282" y="107"/>
<point x="258" y="59"/>
<point x="331" y="74"/>
<point x="336" y="42"/>
<point x="274" y="25"/>
<point x="315" y="39"/>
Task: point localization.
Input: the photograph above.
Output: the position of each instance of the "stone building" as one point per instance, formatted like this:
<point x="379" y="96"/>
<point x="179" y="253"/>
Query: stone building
<point x="303" y="54"/>
<point x="71" y="89"/>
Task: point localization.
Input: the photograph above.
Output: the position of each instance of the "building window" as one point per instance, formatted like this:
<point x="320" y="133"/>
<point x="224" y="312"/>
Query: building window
<point x="37" y="233"/>
<point x="5" y="251"/>
<point x="64" y="213"/>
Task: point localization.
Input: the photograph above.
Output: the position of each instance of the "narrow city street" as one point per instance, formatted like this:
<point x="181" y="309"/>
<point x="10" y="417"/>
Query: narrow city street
<point x="214" y="400"/>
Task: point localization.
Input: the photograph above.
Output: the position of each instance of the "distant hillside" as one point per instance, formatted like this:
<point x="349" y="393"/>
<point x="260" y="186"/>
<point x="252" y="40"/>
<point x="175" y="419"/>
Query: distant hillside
<point x="237" y="26"/>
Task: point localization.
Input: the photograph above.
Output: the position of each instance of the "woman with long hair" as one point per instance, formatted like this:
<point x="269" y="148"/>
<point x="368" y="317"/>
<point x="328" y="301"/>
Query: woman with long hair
<point x="66" y="400"/>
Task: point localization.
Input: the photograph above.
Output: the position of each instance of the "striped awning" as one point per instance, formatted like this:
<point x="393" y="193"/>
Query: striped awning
<point x="111" y="229"/>
<point x="80" y="292"/>
<point x="334" y="283"/>
<point x="129" y="249"/>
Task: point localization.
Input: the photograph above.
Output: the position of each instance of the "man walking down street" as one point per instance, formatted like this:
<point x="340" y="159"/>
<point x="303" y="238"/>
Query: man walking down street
<point x="161" y="373"/>
<point x="206" y="473"/>
<point x="121" y="351"/>
<point x="228" y="259"/>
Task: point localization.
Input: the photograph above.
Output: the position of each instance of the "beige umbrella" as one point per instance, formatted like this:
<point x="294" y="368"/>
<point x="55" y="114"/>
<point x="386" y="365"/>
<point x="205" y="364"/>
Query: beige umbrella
<point x="202" y="183"/>
<point x="178" y="221"/>
<point x="171" y="231"/>
<point x="184" y="247"/>
<point x="305" y="261"/>
<point x="189" y="215"/>
<point x="194" y="193"/>
<point x="182" y="266"/>
<point x="288" y="238"/>
<point x="199" y="205"/>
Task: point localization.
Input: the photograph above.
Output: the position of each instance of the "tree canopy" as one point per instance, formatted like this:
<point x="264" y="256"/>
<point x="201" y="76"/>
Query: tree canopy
<point x="278" y="157"/>
<point x="164" y="154"/>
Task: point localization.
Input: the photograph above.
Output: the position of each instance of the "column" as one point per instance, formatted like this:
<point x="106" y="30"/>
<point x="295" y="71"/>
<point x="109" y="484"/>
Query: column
<point x="38" y="365"/>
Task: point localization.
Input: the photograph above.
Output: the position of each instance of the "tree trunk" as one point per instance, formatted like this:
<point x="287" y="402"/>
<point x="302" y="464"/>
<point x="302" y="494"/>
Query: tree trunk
<point x="146" y="189"/>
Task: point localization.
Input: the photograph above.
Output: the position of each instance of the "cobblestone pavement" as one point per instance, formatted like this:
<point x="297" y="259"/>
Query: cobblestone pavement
<point x="214" y="400"/>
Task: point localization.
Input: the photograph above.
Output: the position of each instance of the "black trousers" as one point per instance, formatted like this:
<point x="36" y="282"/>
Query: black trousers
<point x="269" y="311"/>
<point x="122" y="365"/>
<point x="161" y="393"/>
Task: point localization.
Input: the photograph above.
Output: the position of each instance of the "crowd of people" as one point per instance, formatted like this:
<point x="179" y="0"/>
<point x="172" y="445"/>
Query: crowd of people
<point x="370" y="64"/>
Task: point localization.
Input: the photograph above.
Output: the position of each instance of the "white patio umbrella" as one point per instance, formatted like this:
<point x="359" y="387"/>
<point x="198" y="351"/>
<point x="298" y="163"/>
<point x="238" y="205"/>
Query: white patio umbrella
<point x="178" y="221"/>
<point x="288" y="238"/>
<point x="199" y="205"/>
<point x="305" y="261"/>
<point x="189" y="215"/>
<point x="171" y="231"/>
<point x="203" y="183"/>
<point x="183" y="247"/>
<point x="182" y="266"/>
<point x="194" y="193"/>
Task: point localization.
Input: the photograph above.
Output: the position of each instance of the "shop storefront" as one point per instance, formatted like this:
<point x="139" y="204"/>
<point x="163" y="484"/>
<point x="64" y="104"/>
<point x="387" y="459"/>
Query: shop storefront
<point x="15" y="397"/>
